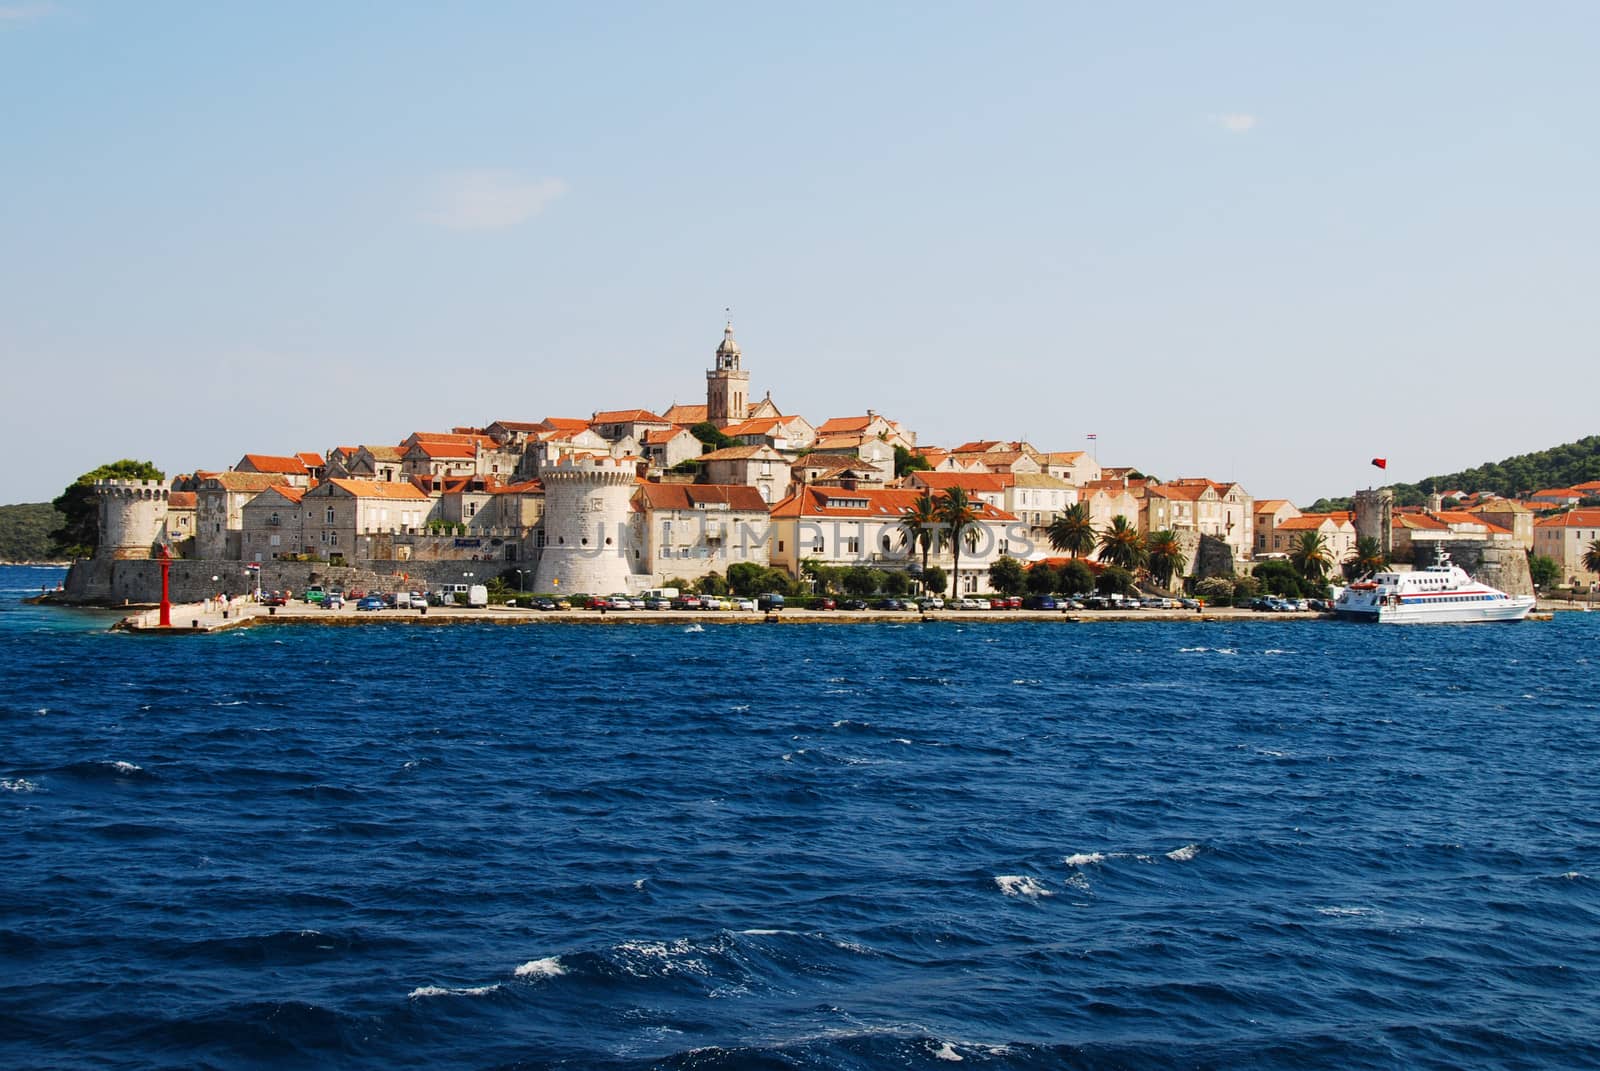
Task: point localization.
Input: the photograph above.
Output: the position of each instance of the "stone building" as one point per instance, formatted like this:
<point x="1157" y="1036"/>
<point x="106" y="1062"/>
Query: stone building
<point x="383" y="464"/>
<point x="841" y="526"/>
<point x="1513" y="516"/>
<point x="760" y="467"/>
<point x="132" y="515"/>
<point x="219" y="511"/>
<point x="986" y="487"/>
<point x="1565" y="538"/>
<point x="345" y="516"/>
<point x="292" y="469"/>
<point x="667" y="447"/>
<point x="689" y="530"/>
<point x="727" y="384"/>
<point x="273" y="525"/>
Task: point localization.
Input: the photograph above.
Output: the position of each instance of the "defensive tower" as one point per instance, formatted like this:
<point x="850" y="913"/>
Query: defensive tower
<point x="588" y="543"/>
<point x="1375" y="517"/>
<point x="132" y="515"/>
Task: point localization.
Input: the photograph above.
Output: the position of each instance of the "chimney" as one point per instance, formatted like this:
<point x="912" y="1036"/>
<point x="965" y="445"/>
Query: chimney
<point x="872" y="414"/>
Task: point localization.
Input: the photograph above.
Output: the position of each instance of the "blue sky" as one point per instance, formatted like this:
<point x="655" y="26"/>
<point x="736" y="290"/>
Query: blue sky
<point x="1244" y="241"/>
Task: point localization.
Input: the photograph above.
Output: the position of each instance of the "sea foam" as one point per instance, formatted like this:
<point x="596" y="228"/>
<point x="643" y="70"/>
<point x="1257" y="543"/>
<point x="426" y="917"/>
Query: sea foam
<point x="549" y="967"/>
<point x="1021" y="885"/>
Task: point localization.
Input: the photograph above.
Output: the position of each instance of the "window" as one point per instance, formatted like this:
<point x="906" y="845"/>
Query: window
<point x="330" y="514"/>
<point x="274" y="539"/>
<point x="333" y="539"/>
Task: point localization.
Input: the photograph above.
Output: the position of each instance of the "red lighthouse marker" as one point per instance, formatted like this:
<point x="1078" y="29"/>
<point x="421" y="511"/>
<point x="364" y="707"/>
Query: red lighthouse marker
<point x="165" y="558"/>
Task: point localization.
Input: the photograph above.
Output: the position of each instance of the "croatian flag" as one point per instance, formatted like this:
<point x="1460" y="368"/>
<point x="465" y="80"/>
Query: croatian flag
<point x="1381" y="462"/>
<point x="1091" y="435"/>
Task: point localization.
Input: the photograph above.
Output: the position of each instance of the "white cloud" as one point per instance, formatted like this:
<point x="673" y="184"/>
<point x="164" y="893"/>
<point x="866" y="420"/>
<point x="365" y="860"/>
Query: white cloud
<point x="491" y="200"/>
<point x="25" y="12"/>
<point x="1235" y="122"/>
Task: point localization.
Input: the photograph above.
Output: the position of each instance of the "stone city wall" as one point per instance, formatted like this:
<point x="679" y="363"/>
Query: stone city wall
<point x="112" y="582"/>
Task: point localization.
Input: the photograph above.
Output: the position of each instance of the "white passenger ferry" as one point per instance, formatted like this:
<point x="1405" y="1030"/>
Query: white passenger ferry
<point x="1440" y="593"/>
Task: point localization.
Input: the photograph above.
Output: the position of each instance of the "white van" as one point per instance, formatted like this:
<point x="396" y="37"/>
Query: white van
<point x="402" y="600"/>
<point x="477" y="595"/>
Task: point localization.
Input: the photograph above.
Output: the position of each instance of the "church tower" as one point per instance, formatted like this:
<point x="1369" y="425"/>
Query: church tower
<point x="727" y="385"/>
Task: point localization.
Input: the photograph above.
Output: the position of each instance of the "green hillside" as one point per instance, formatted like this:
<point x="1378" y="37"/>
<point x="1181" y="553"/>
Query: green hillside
<point x="1559" y="466"/>
<point x="25" y="532"/>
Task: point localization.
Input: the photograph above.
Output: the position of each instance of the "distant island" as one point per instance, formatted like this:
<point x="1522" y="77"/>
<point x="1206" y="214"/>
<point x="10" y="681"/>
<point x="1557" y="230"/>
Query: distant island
<point x="25" y="529"/>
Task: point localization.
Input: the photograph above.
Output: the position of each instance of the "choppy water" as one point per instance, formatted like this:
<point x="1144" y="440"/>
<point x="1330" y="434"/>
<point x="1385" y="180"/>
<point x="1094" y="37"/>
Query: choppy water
<point x="1117" y="845"/>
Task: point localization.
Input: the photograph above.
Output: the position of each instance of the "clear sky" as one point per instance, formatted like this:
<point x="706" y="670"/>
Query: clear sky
<point x="1261" y="242"/>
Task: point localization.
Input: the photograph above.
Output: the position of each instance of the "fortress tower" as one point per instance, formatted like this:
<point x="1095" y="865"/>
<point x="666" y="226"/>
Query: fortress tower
<point x="133" y="513"/>
<point x="1375" y="517"/>
<point x="588" y="532"/>
<point x="727" y="385"/>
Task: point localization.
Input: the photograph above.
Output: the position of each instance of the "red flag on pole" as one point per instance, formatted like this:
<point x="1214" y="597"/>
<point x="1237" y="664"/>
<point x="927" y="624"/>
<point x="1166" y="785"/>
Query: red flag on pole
<point x="1381" y="462"/>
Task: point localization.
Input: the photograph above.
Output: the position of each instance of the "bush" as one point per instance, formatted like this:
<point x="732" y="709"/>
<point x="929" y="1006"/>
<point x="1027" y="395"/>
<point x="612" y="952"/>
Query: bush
<point x="935" y="580"/>
<point x="1075" y="578"/>
<point x="1042" y="579"/>
<point x="1115" y="581"/>
<point x="1279" y="578"/>
<point x="1215" y="589"/>
<point x="1546" y="572"/>
<point x="1007" y="576"/>
<point x="713" y="584"/>
<point x="860" y="580"/>
<point x="1245" y="588"/>
<point x="897" y="582"/>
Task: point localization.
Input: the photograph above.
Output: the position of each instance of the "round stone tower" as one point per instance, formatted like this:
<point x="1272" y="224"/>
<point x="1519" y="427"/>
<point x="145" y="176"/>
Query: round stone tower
<point x="1375" y="517"/>
<point x="133" y="513"/>
<point x="588" y="542"/>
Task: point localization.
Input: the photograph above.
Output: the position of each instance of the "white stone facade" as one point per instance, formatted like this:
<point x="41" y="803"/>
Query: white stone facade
<point x="133" y="513"/>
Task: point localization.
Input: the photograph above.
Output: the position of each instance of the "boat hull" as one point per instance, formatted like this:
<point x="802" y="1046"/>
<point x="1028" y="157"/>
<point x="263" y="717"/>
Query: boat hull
<point x="1511" y="609"/>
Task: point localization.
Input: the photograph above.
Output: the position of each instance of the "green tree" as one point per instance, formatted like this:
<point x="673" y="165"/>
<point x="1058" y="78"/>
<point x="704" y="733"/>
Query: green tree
<point x="1544" y="570"/>
<point x="711" y="435"/>
<point x="25" y="532"/>
<point x="1166" y="556"/>
<point x="747" y="578"/>
<point x="1042" y="579"/>
<point x="1367" y="558"/>
<point x="79" y="533"/>
<point x="905" y="462"/>
<point x="1245" y="588"/>
<point x="960" y="518"/>
<point x="897" y="582"/>
<point x="1116" y="581"/>
<point x="1007" y="576"/>
<point x="1310" y="556"/>
<point x="1074" y="578"/>
<point x="1278" y="577"/>
<point x="919" y="523"/>
<point x="1217" y="590"/>
<point x="933" y="579"/>
<point x="1121" y="545"/>
<point x="713" y="583"/>
<point x="1072" y="532"/>
<point x="1591" y="557"/>
<point x="861" y="580"/>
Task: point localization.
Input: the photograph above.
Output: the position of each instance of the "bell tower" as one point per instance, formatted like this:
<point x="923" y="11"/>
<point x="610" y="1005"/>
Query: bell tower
<point x="727" y="385"/>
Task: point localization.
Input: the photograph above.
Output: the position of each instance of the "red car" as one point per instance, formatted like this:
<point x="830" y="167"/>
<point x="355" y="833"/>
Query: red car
<point x="827" y="604"/>
<point x="274" y="598"/>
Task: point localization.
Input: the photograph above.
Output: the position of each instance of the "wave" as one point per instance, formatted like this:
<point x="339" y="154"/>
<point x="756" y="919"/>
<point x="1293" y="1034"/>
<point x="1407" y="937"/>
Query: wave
<point x="18" y="784"/>
<point x="442" y="991"/>
<point x="1184" y="854"/>
<point x="1085" y="858"/>
<point x="549" y="967"/>
<point x="1022" y="885"/>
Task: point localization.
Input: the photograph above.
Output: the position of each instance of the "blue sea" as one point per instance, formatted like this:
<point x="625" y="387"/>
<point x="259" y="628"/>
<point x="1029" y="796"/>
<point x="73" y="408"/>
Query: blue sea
<point x="1263" y="845"/>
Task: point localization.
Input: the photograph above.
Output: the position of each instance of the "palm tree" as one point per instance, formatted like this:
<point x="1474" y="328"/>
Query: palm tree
<point x="957" y="513"/>
<point x="1591" y="557"/>
<point x="1122" y="545"/>
<point x="1366" y="559"/>
<point x="1166" y="556"/>
<point x="1073" y="531"/>
<point x="918" y="523"/>
<point x="1310" y="556"/>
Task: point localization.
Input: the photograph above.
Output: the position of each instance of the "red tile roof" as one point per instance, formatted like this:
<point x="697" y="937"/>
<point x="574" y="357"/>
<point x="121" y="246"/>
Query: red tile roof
<point x="404" y="492"/>
<point x="627" y="416"/>
<point x="311" y="460"/>
<point x="985" y="482"/>
<point x="181" y="500"/>
<point x="888" y="503"/>
<point x="289" y="466"/>
<point x="556" y="423"/>
<point x="652" y="436"/>
<point x="1573" y="518"/>
<point x="841" y="425"/>
<point x="685" y="414"/>
<point x="243" y="481"/>
<point x="692" y="495"/>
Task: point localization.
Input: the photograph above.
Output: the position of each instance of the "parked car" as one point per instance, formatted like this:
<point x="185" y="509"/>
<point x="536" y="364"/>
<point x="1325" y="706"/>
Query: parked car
<point x="372" y="602"/>
<point x="546" y="605"/>
<point x="825" y="603"/>
<point x="1039" y="602"/>
<point x="273" y="598"/>
<point x="333" y="600"/>
<point x="1071" y="604"/>
<point x="853" y="604"/>
<point x="315" y="593"/>
<point x="930" y="602"/>
<point x="745" y="604"/>
<point x="1189" y="604"/>
<point x="769" y="602"/>
<point x="686" y="602"/>
<point x="971" y="604"/>
<point x="889" y="604"/>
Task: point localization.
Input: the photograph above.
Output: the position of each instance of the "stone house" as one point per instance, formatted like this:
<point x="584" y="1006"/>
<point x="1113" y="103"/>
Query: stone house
<point x="784" y="433"/>
<point x="1269" y="513"/>
<point x="1338" y="532"/>
<point x="666" y="447"/>
<point x="871" y="426"/>
<point x="618" y="424"/>
<point x="274" y="525"/>
<point x="1038" y="498"/>
<point x="1565" y="538"/>
<point x="843" y="526"/>
<point x="384" y="464"/>
<point x="760" y="467"/>
<point x="344" y="516"/>
<point x="1107" y="499"/>
<point x="1512" y="516"/>
<point x="179" y="529"/>
<point x="879" y="453"/>
<point x="219" y="511"/>
<point x="292" y="469"/>
<point x="689" y="530"/>
<point x="836" y="470"/>
<point x="1015" y="462"/>
<point x="1076" y="467"/>
<point x="547" y="448"/>
<point x="433" y="457"/>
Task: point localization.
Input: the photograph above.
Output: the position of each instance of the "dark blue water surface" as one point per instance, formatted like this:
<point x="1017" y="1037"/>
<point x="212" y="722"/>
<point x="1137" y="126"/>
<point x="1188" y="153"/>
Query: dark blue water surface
<point x="1268" y="844"/>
